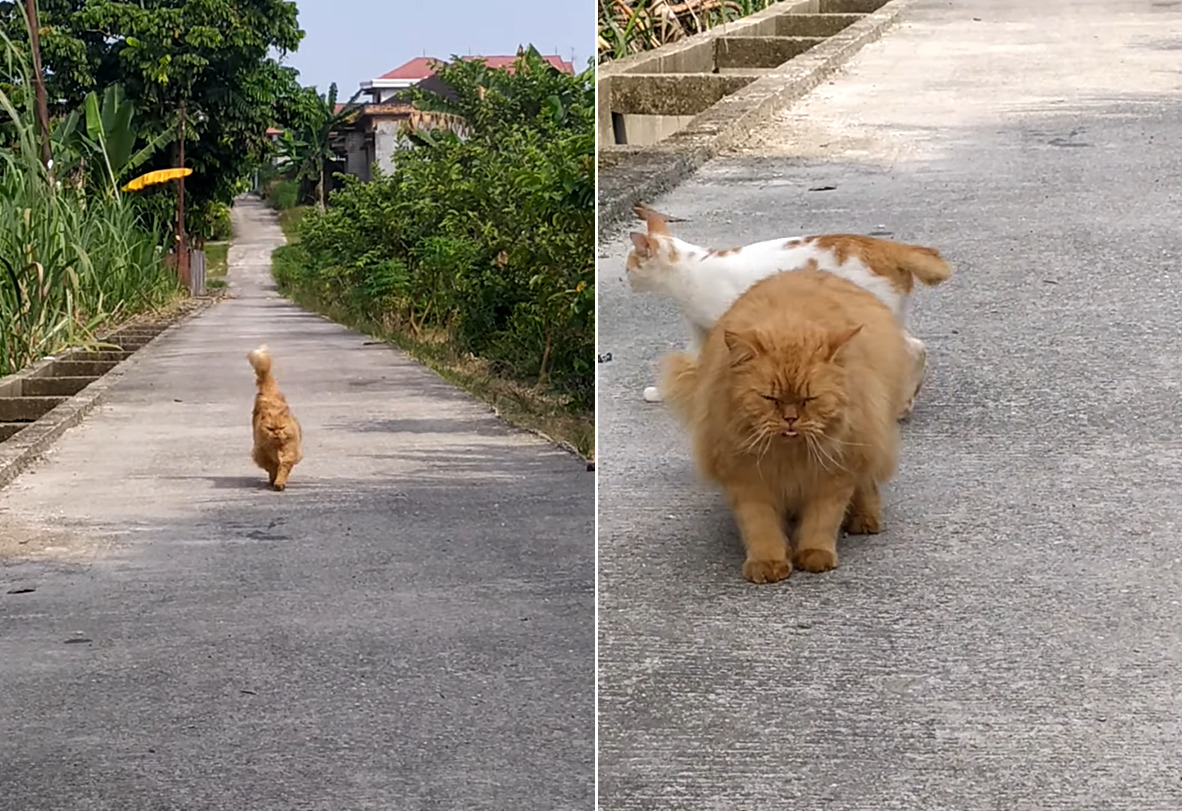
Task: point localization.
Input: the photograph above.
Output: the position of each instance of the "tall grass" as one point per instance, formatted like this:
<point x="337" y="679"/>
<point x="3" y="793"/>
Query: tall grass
<point x="632" y="26"/>
<point x="72" y="257"/>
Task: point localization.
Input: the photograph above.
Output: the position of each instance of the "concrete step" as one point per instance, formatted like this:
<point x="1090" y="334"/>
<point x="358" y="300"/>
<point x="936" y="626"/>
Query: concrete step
<point x="673" y="93"/>
<point x="82" y="368"/>
<point x="104" y="355"/>
<point x="27" y="409"/>
<point x="737" y="53"/>
<point x="54" y="386"/>
<point x="9" y="429"/>
<point x="645" y="98"/>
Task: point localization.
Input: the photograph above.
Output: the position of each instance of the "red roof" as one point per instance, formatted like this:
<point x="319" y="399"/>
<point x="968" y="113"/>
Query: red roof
<point x="421" y="67"/>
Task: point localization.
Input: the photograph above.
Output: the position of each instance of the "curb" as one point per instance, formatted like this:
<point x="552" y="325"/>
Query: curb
<point x="21" y="451"/>
<point x="631" y="175"/>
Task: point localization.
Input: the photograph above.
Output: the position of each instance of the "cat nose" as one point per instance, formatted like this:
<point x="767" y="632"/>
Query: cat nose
<point x="790" y="418"/>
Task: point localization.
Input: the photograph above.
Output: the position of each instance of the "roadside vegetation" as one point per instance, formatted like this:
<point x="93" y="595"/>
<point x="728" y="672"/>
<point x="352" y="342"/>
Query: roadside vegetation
<point x="216" y="264"/>
<point x="632" y="26"/>
<point x="75" y="254"/>
<point x="78" y="255"/>
<point x="475" y="254"/>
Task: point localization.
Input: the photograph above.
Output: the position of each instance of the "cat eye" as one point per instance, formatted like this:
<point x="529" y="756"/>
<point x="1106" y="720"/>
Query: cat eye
<point x="769" y="398"/>
<point x="804" y="400"/>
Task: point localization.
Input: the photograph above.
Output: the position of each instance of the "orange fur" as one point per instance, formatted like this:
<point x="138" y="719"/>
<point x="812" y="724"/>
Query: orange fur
<point x="277" y="434"/>
<point x="792" y="404"/>
<point x="655" y="220"/>
<point x="898" y="262"/>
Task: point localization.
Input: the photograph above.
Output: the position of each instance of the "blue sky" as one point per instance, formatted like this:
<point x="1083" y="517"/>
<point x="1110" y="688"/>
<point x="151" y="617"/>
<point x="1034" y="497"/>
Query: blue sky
<point x="349" y="41"/>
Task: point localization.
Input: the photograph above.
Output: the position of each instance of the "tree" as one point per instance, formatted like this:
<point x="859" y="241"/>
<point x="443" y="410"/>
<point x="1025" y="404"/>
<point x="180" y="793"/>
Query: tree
<point x="495" y="99"/>
<point x="214" y="57"/>
<point x="307" y="143"/>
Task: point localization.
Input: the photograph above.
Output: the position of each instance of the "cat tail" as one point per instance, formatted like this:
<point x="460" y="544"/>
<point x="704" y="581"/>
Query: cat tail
<point x="260" y="360"/>
<point x="679" y="381"/>
<point x="925" y="264"/>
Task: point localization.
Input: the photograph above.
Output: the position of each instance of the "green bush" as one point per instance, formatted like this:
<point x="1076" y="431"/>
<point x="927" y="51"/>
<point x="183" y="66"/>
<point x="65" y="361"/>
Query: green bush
<point x="220" y="228"/>
<point x="489" y="239"/>
<point x="283" y="195"/>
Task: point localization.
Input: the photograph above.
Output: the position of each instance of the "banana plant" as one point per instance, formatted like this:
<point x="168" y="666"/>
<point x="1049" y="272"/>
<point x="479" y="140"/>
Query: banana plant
<point x="307" y="146"/>
<point x="105" y="128"/>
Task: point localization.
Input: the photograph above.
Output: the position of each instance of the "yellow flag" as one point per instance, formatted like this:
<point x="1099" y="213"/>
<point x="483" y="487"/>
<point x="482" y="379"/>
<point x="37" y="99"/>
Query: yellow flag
<point x="159" y="176"/>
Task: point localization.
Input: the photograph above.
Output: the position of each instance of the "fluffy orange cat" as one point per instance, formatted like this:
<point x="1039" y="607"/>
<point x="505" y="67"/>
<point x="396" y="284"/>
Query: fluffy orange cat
<point x="792" y="404"/>
<point x="277" y="433"/>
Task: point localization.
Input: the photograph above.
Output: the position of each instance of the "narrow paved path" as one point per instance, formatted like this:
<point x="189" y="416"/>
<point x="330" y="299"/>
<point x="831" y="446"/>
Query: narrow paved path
<point x="1013" y="641"/>
<point x="408" y="626"/>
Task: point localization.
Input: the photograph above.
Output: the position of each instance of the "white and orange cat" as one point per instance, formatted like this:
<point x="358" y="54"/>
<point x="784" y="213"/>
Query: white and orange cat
<point x="705" y="283"/>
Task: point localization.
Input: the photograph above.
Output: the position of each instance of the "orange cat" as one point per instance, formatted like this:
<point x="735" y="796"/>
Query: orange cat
<point x="277" y="433"/>
<point x="792" y="403"/>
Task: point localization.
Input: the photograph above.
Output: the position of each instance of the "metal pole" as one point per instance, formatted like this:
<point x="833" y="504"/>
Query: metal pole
<point x="39" y="84"/>
<point x="182" y="248"/>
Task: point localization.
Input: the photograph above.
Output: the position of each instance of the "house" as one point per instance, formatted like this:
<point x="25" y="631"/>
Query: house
<point x="377" y="131"/>
<point x="410" y="73"/>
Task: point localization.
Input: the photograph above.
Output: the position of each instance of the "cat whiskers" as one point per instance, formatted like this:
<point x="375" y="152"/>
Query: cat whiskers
<point x="758" y="442"/>
<point x="811" y="444"/>
<point x="821" y="455"/>
<point x="845" y="443"/>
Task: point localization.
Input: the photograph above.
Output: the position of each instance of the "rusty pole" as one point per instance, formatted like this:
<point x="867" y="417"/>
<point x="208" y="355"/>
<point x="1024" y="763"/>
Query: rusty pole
<point x="39" y="84"/>
<point x="182" y="247"/>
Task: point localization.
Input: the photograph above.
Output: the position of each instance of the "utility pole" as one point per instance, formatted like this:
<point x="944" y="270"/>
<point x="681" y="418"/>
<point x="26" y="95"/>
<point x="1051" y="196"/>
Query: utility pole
<point x="39" y="84"/>
<point x="182" y="248"/>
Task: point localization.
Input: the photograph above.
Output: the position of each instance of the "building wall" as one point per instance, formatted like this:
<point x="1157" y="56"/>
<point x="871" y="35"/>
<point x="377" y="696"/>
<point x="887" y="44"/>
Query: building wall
<point x="386" y="142"/>
<point x="357" y="160"/>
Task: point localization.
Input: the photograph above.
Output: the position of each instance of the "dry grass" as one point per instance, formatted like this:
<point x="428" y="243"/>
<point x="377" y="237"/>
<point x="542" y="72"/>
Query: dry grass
<point x="528" y="407"/>
<point x="289" y="221"/>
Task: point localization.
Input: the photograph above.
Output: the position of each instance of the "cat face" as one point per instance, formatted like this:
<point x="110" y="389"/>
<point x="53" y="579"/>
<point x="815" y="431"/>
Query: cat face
<point x="793" y="389"/>
<point x="277" y="430"/>
<point x="650" y="262"/>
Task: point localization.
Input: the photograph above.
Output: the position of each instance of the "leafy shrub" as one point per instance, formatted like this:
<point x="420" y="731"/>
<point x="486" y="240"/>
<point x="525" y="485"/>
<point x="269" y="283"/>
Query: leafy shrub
<point x="220" y="228"/>
<point x="488" y="239"/>
<point x="283" y="195"/>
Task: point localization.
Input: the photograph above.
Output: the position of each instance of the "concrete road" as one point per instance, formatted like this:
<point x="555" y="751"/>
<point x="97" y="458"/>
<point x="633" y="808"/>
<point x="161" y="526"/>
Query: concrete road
<point x="408" y="626"/>
<point x="1012" y="641"/>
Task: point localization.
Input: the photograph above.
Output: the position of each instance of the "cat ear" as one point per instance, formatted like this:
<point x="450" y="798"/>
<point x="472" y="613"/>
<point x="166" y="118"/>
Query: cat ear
<point x="743" y="346"/>
<point x="642" y="244"/>
<point x="839" y="339"/>
<point x="653" y="219"/>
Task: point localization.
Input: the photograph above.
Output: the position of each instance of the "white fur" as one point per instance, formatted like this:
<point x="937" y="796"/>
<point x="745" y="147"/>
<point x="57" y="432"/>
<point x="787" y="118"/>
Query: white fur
<point x="705" y="285"/>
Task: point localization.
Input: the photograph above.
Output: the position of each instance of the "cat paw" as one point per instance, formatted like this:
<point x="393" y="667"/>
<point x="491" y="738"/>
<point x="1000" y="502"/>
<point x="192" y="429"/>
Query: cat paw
<point x="652" y="394"/>
<point x="766" y="571"/>
<point x="862" y="524"/>
<point x="815" y="560"/>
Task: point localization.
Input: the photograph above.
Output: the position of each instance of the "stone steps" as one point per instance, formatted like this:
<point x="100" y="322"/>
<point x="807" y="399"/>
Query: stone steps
<point x="33" y="392"/>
